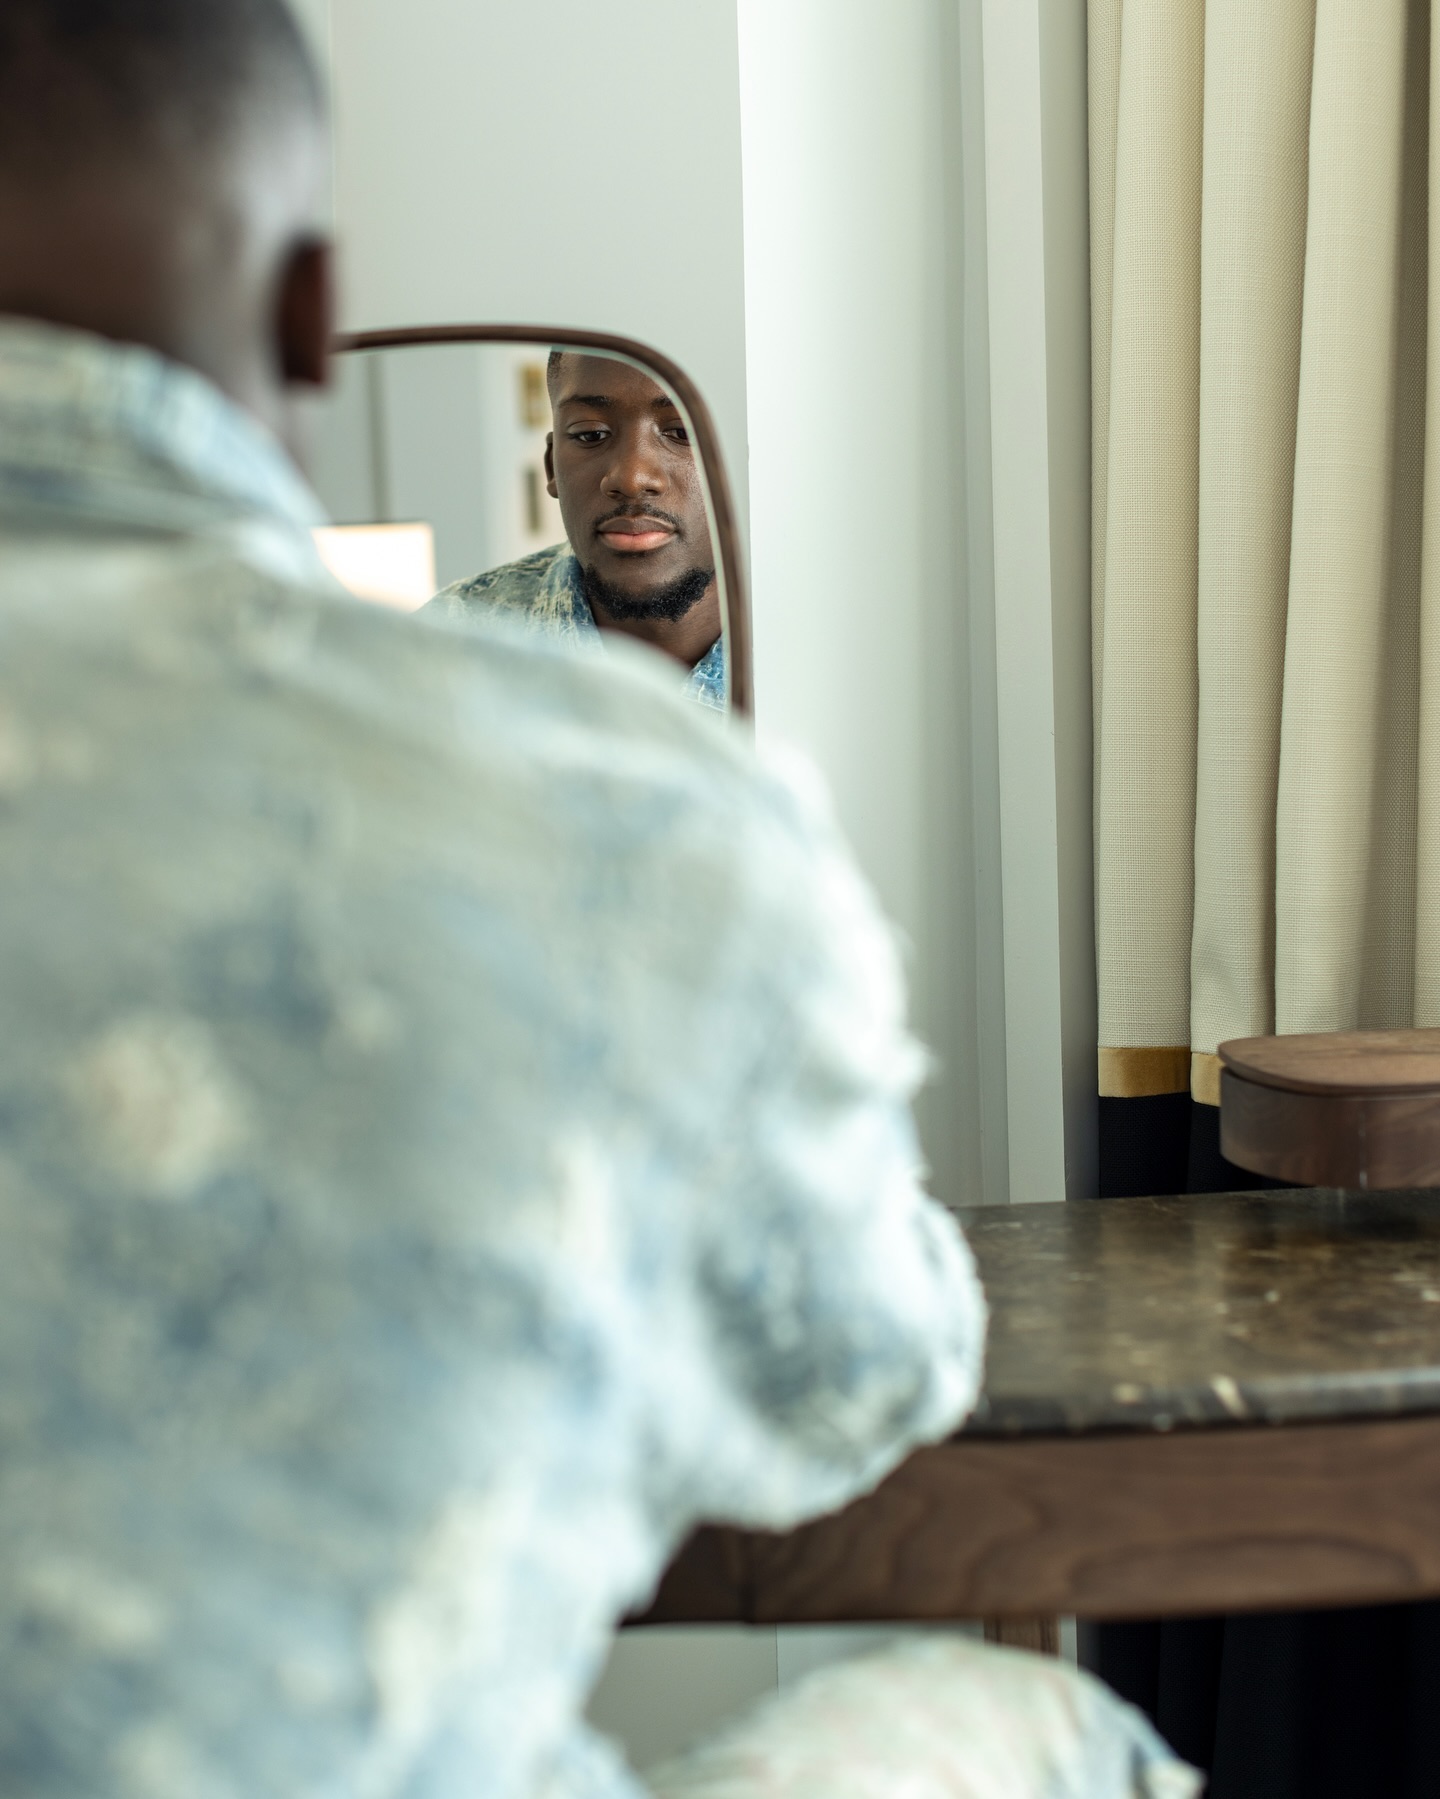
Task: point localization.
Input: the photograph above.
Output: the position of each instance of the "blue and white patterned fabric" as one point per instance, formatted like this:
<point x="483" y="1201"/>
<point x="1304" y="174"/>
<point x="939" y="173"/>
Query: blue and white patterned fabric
<point x="454" y="1134"/>
<point x="547" y="591"/>
<point x="935" y="1717"/>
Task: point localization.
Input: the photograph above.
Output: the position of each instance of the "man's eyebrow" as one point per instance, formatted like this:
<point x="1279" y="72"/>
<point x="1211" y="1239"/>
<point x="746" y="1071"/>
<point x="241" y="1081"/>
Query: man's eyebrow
<point x="661" y="402"/>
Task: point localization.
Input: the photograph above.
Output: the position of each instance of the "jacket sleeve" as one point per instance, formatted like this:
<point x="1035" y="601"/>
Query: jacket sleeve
<point x="836" y="1317"/>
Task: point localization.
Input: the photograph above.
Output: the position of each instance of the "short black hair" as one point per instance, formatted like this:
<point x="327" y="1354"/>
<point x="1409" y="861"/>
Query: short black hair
<point x="128" y="79"/>
<point x="552" y="367"/>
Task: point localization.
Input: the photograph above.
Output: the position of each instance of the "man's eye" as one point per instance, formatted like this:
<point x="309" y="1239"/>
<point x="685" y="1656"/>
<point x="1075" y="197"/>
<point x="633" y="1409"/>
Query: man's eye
<point x="677" y="434"/>
<point x="598" y="435"/>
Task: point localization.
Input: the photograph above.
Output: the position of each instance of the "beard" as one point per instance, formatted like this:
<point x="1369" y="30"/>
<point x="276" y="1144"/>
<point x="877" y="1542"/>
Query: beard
<point x="670" y="601"/>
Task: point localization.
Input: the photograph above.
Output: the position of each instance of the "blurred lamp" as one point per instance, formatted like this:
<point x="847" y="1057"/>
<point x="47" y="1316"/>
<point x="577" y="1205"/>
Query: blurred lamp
<point x="393" y="565"/>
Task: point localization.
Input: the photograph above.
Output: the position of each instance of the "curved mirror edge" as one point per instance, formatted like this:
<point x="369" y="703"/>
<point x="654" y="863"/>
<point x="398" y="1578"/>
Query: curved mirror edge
<point x="434" y="469"/>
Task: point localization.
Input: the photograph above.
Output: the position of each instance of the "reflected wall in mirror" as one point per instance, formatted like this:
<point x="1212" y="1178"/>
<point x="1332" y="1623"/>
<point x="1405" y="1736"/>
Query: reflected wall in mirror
<point x="572" y="483"/>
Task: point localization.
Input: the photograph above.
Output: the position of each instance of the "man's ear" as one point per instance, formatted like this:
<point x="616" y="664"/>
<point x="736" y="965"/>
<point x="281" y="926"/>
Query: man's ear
<point x="305" y="316"/>
<point x="550" y="487"/>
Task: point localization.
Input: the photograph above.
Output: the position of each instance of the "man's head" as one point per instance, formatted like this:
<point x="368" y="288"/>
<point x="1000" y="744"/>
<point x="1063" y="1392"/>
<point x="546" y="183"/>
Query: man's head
<point x="162" y="179"/>
<point x="621" y="465"/>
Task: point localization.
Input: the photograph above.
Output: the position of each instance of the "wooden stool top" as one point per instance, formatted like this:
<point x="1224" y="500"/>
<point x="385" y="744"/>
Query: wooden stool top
<point x="1339" y="1062"/>
<point x="1352" y="1109"/>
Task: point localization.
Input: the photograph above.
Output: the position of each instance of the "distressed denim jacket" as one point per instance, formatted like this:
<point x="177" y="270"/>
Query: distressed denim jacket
<point x="454" y="1134"/>
<point x="546" y="591"/>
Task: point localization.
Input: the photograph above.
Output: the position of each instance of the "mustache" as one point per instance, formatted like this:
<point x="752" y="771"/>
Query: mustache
<point x="655" y="512"/>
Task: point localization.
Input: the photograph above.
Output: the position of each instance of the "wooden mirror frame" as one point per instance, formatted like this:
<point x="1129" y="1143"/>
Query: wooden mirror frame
<point x="736" y="597"/>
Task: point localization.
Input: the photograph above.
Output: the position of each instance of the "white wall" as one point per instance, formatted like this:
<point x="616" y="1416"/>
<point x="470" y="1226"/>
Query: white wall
<point x="553" y="161"/>
<point x="1064" y="112"/>
<point x="917" y="321"/>
<point x="915" y="226"/>
<point x="855" y="234"/>
<point x="1037" y="277"/>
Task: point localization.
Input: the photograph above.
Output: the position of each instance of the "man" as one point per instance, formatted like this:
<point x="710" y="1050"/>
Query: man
<point x="453" y="1105"/>
<point x="639" y="559"/>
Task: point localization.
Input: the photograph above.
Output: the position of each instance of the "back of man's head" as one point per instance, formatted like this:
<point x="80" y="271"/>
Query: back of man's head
<point x="82" y="80"/>
<point x="161" y="182"/>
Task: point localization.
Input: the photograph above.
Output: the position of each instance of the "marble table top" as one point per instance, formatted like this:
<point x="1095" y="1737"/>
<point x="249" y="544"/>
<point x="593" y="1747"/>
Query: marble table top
<point x="1235" y="1308"/>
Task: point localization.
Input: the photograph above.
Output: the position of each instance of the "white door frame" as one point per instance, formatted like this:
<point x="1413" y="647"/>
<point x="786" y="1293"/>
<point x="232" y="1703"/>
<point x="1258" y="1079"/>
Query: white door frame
<point x="1034" y="239"/>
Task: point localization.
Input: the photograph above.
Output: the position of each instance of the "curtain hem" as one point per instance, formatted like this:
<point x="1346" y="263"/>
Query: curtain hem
<point x="1140" y="1073"/>
<point x="1204" y="1078"/>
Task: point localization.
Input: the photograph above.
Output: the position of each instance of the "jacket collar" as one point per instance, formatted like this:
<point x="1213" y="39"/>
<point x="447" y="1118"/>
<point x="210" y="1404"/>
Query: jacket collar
<point x="97" y="432"/>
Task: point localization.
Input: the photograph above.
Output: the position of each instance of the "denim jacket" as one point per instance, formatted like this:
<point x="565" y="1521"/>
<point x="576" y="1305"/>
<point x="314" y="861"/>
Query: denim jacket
<point x="546" y="590"/>
<point x="454" y="1135"/>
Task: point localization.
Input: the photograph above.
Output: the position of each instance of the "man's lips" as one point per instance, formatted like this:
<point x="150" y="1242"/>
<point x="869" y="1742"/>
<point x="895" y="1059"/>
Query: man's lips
<point x="633" y="536"/>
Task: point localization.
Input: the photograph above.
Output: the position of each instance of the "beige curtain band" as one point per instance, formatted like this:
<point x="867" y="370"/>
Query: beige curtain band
<point x="1205" y="1078"/>
<point x="1138" y="1073"/>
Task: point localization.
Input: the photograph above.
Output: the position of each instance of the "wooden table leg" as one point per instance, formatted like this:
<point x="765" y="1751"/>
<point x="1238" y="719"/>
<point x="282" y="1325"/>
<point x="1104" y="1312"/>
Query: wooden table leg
<point x="1040" y="1635"/>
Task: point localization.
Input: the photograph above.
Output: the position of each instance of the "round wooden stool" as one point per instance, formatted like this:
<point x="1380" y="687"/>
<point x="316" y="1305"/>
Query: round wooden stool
<point x="1358" y="1109"/>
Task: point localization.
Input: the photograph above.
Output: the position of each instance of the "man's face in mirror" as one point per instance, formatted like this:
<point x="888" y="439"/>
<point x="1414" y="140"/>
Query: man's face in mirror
<point x="621" y="465"/>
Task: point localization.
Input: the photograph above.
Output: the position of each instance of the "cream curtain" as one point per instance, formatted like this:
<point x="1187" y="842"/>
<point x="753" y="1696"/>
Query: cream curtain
<point x="1266" y="527"/>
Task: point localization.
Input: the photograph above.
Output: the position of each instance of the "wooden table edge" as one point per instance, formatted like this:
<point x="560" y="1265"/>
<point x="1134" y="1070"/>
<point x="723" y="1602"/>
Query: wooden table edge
<point x="1096" y="1526"/>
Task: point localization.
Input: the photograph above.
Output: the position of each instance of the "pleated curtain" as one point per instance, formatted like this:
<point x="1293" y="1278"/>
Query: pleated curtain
<point x="1266" y="580"/>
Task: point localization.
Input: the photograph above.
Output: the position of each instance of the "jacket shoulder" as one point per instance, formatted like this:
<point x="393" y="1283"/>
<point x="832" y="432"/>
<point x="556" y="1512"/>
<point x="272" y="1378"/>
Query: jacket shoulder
<point x="517" y="586"/>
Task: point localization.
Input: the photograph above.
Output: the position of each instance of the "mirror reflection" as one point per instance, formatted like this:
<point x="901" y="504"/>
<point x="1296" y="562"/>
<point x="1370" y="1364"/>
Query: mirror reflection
<point x="559" y="489"/>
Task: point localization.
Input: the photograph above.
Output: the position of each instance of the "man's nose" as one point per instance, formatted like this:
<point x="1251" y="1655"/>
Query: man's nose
<point x="636" y="471"/>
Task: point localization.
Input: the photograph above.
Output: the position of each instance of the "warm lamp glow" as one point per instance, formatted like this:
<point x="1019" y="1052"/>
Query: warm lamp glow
<point x="393" y="565"/>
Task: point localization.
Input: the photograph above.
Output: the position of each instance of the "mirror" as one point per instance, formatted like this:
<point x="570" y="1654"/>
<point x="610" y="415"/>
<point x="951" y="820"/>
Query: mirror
<point x="572" y="484"/>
